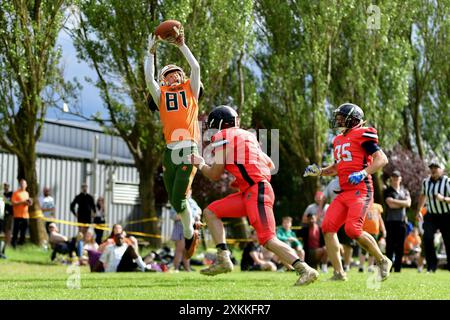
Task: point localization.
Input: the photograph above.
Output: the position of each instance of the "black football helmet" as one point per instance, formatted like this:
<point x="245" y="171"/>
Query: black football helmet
<point x="352" y="114"/>
<point x="222" y="117"/>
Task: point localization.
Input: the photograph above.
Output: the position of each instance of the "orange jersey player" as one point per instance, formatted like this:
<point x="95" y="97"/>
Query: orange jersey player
<point x="238" y="152"/>
<point x="357" y="156"/>
<point x="176" y="98"/>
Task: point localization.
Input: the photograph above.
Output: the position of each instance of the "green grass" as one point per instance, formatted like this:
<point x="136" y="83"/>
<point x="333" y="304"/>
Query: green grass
<point x="29" y="274"/>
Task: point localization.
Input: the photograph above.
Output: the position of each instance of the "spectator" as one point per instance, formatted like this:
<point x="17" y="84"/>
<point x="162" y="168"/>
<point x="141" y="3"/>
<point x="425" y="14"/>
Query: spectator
<point x="421" y="261"/>
<point x="285" y="234"/>
<point x="121" y="257"/>
<point x="89" y="244"/>
<point x="94" y="256"/>
<point x="412" y="248"/>
<point x="61" y="244"/>
<point x="373" y="224"/>
<point x="86" y="207"/>
<point x="319" y="208"/>
<point x="99" y="219"/>
<point x="397" y="200"/>
<point x="20" y="201"/>
<point x="116" y="229"/>
<point x="314" y="244"/>
<point x="8" y="219"/>
<point x="253" y="258"/>
<point x="47" y="204"/>
<point x="2" y="221"/>
<point x="436" y="193"/>
<point x="177" y="233"/>
<point x="332" y="189"/>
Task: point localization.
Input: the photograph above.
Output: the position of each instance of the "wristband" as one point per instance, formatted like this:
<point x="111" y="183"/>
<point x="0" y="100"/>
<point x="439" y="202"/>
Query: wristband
<point x="201" y="165"/>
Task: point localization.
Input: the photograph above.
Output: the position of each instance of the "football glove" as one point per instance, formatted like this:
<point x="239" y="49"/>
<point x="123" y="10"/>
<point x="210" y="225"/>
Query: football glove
<point x="152" y="41"/>
<point x="312" y="170"/>
<point x="357" y="177"/>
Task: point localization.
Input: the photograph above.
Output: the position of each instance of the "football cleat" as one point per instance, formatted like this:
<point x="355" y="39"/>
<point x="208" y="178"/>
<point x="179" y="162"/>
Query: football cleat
<point x="223" y="264"/>
<point x="307" y="275"/>
<point x="385" y="266"/>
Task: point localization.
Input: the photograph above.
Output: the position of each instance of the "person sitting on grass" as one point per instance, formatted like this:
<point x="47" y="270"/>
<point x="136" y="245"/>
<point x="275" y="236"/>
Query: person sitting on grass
<point x="315" y="251"/>
<point x="253" y="258"/>
<point x="287" y="235"/>
<point x="89" y="244"/>
<point x="94" y="256"/>
<point x="121" y="257"/>
<point x="61" y="244"/>
<point x="116" y="229"/>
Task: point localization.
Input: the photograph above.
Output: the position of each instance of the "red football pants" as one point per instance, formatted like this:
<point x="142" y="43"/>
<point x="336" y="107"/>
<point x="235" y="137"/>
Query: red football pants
<point x="256" y="203"/>
<point x="349" y="208"/>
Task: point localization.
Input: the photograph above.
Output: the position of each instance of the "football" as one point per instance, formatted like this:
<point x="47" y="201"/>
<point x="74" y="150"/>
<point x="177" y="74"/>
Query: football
<point x="166" y="30"/>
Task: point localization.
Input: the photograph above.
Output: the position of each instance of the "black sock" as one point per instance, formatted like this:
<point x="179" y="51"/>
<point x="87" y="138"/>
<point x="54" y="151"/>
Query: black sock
<point x="295" y="262"/>
<point x="222" y="246"/>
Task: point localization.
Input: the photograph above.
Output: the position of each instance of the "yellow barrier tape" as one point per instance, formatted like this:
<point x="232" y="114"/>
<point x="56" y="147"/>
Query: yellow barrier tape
<point x="98" y="226"/>
<point x="137" y="233"/>
<point x="142" y="220"/>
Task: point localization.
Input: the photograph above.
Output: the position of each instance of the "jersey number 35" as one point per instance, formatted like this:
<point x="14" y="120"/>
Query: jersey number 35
<point x="342" y="152"/>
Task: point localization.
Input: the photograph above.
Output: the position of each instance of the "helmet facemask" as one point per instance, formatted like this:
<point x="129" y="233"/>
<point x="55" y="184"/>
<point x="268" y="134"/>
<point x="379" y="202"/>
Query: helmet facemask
<point x="170" y="69"/>
<point x="345" y="120"/>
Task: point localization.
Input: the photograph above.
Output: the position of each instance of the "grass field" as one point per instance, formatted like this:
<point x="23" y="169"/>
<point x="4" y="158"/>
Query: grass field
<point x="29" y="274"/>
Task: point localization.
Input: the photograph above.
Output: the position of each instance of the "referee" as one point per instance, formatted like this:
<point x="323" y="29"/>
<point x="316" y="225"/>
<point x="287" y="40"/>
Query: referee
<point x="436" y="193"/>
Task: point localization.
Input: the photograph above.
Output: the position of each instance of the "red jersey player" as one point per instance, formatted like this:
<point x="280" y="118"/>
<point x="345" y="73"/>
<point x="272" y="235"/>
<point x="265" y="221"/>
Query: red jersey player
<point x="357" y="156"/>
<point x="238" y="151"/>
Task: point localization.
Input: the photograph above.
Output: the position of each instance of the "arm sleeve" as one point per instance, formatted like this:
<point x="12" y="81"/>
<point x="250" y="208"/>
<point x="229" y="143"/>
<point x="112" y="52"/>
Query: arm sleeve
<point x="152" y="85"/>
<point x="370" y="146"/>
<point x="94" y="207"/>
<point x="72" y="205"/>
<point x="195" y="70"/>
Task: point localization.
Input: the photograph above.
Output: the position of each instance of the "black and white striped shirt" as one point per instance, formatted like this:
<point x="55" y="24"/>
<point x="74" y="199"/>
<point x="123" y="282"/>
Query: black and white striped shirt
<point x="430" y="188"/>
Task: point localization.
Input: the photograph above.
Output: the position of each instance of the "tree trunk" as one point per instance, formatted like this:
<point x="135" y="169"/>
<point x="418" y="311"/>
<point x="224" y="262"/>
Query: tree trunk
<point x="147" y="196"/>
<point x="406" y="136"/>
<point x="27" y="171"/>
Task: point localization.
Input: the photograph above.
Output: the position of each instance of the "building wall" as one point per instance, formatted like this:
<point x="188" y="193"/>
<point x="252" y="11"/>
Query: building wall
<point x="65" y="176"/>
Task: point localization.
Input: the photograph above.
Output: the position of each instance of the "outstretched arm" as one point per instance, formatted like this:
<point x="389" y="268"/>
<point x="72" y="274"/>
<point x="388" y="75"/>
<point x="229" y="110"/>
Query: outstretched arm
<point x="195" y="69"/>
<point x="193" y="63"/>
<point x="152" y="85"/>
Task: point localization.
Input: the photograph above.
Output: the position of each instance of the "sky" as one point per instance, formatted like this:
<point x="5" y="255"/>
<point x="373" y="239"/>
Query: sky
<point x="90" y="101"/>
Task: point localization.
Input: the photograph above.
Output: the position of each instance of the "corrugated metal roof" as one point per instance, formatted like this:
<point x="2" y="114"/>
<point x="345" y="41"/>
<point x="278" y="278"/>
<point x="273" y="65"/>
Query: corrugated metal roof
<point x="73" y="139"/>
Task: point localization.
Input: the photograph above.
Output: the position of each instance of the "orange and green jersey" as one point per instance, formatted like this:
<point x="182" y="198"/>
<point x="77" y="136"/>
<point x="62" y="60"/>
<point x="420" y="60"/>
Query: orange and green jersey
<point x="178" y="110"/>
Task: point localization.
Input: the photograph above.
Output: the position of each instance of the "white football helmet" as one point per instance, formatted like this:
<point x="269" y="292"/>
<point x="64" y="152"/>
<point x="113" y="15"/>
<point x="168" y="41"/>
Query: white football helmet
<point x="167" y="69"/>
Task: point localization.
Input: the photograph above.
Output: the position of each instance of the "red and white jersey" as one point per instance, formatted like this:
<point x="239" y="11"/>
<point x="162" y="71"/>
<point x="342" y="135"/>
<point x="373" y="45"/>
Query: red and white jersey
<point x="350" y="156"/>
<point x="245" y="159"/>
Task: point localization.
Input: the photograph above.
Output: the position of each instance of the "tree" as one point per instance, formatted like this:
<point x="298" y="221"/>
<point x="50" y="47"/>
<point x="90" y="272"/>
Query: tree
<point x="429" y="95"/>
<point x="30" y="82"/>
<point x="295" y="54"/>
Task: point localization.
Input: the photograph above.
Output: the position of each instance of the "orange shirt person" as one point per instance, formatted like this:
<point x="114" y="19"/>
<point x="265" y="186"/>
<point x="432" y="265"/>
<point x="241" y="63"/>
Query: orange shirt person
<point x="20" y="201"/>
<point x="176" y="98"/>
<point x="373" y="222"/>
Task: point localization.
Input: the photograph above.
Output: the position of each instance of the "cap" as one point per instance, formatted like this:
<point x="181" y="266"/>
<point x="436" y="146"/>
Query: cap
<point x="396" y="173"/>
<point x="435" y="163"/>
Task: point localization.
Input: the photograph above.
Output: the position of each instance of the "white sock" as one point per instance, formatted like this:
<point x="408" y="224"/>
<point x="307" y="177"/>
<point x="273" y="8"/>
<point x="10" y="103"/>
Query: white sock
<point x="187" y="222"/>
